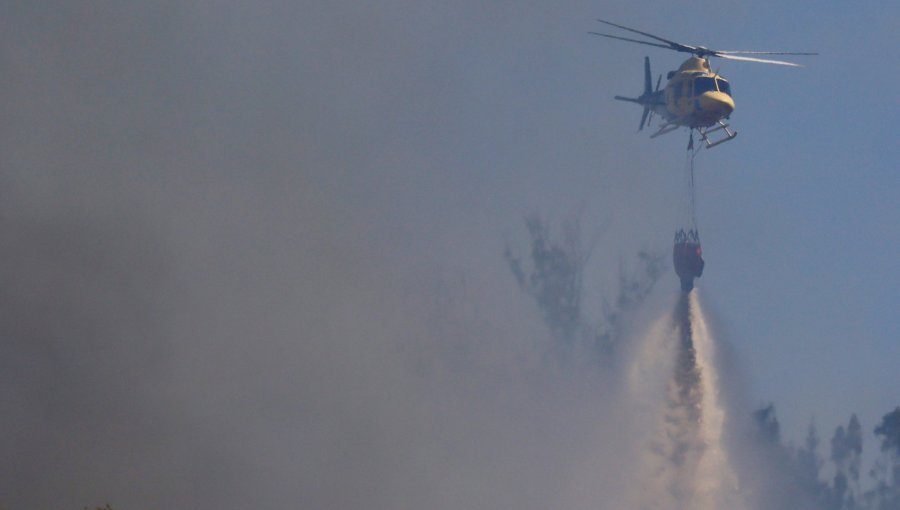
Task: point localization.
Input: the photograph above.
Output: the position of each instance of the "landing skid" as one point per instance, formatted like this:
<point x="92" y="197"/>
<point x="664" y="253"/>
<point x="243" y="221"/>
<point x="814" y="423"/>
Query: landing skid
<point x="729" y="135"/>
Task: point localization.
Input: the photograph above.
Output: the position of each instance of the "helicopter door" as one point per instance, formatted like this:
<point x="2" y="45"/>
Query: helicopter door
<point x="681" y="97"/>
<point x="673" y="98"/>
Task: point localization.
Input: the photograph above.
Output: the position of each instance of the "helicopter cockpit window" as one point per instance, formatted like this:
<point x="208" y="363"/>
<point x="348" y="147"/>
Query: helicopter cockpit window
<point x="704" y="84"/>
<point x="724" y="86"/>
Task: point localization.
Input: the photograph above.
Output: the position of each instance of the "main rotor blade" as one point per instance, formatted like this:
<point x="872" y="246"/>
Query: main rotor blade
<point x="720" y="52"/>
<point x="631" y="40"/>
<point x="672" y="44"/>
<point x="701" y="51"/>
<point x="760" y="60"/>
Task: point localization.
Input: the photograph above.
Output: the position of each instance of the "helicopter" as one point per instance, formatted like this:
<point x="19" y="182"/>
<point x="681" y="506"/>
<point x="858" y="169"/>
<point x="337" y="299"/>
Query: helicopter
<point x="695" y="96"/>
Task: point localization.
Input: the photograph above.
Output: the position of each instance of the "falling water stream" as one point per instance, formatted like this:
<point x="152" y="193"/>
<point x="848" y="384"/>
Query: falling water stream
<point x="686" y="463"/>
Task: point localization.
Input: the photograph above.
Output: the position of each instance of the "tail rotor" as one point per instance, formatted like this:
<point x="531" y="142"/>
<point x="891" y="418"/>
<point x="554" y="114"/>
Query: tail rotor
<point x="648" y="89"/>
<point x="644" y="117"/>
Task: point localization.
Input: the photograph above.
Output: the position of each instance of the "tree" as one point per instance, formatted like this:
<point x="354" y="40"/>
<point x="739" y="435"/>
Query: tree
<point x="633" y="289"/>
<point x="808" y="456"/>
<point x="808" y="466"/>
<point x="854" y="446"/>
<point x="846" y="451"/>
<point x="555" y="280"/>
<point x="788" y="478"/>
<point x="886" y="473"/>
<point x="890" y="430"/>
<point x="767" y="424"/>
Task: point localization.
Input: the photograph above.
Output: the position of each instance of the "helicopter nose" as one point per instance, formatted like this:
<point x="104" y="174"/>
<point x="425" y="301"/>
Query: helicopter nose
<point x="718" y="103"/>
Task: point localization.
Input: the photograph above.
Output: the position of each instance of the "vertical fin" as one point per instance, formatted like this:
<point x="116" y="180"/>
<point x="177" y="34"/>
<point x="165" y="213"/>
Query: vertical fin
<point x="648" y="82"/>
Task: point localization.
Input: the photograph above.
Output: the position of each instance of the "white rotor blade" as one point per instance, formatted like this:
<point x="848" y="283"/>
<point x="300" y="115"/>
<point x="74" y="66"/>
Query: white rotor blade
<point x="631" y="40"/>
<point x="672" y="44"/>
<point x="737" y="52"/>
<point x="760" y="60"/>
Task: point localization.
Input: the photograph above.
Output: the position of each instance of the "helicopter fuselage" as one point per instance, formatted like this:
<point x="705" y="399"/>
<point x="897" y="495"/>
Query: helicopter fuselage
<point x="694" y="96"/>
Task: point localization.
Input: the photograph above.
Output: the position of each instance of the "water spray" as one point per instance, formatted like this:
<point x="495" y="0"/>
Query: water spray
<point x="687" y="464"/>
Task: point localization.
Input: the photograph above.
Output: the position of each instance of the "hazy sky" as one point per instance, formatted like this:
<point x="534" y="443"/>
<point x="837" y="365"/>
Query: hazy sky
<point x="247" y="245"/>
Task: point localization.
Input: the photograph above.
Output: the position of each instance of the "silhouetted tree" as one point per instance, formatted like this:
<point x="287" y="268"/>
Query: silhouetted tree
<point x="767" y="424"/>
<point x="789" y="483"/>
<point x="554" y="278"/>
<point x="808" y="465"/>
<point x="808" y="456"/>
<point x="846" y="450"/>
<point x="886" y="473"/>
<point x="854" y="445"/>
<point x="844" y="492"/>
<point x="889" y="430"/>
<point x="633" y="289"/>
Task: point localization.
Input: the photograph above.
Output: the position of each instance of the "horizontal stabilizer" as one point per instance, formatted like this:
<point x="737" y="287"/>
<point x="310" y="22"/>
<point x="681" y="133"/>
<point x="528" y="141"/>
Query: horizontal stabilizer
<point x="630" y="99"/>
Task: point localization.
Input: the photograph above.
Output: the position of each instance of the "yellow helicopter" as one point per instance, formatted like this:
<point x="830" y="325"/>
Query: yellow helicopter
<point x="695" y="97"/>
